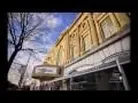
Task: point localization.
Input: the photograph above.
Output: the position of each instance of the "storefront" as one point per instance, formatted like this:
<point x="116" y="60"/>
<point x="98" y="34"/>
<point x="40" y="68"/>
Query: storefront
<point x="107" y="76"/>
<point x="101" y="80"/>
<point x="110" y="75"/>
<point x="103" y="68"/>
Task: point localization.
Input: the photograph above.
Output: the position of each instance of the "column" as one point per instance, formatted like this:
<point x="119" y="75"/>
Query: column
<point x="97" y="29"/>
<point x="64" y="85"/>
<point x="66" y="48"/>
<point x="93" y="33"/>
<point x="78" y="42"/>
<point x="70" y="83"/>
<point x="125" y="82"/>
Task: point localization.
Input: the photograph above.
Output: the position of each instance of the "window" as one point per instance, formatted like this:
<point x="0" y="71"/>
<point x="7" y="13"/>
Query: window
<point x="72" y="52"/>
<point x="85" y="43"/>
<point x="108" y="27"/>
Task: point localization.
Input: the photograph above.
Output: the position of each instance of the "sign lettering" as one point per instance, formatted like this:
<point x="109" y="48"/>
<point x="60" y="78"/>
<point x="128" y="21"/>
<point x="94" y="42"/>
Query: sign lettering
<point x="51" y="70"/>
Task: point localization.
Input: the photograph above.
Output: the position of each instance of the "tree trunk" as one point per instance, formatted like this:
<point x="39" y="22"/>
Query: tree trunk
<point x="10" y="63"/>
<point x="12" y="58"/>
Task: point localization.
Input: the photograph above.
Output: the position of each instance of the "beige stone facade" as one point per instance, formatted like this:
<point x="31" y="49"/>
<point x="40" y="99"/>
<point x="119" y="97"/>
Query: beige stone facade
<point x="88" y="31"/>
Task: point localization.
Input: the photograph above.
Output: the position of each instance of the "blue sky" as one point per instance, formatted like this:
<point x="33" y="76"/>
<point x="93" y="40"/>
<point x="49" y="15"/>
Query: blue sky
<point x="67" y="19"/>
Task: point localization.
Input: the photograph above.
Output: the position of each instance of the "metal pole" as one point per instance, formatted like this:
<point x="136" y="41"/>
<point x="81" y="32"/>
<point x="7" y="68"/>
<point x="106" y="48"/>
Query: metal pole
<point x="70" y="83"/>
<point x="125" y="81"/>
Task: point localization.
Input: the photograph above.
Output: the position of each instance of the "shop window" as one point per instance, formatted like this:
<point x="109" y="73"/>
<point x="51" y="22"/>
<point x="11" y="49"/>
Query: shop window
<point x="108" y="28"/>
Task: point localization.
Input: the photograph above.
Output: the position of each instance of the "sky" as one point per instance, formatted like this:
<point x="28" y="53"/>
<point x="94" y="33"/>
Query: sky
<point x="66" y="20"/>
<point x="49" y="31"/>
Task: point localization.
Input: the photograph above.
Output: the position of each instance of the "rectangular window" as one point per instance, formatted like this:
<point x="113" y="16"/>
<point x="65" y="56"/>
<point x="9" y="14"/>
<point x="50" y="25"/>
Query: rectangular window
<point x="86" y="42"/>
<point x="73" y="52"/>
<point x="108" y="28"/>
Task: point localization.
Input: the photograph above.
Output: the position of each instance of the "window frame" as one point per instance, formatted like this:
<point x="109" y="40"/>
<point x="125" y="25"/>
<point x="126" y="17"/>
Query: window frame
<point x="86" y="36"/>
<point x="83" y="44"/>
<point x="101" y="28"/>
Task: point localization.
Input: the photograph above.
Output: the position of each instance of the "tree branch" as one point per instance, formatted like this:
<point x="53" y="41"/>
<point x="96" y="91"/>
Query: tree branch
<point x="31" y="30"/>
<point x="11" y="28"/>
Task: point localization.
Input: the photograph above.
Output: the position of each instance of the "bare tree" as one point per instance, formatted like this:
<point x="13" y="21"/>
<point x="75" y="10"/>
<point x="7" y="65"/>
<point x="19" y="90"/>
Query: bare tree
<point x="20" y="28"/>
<point x="23" y="28"/>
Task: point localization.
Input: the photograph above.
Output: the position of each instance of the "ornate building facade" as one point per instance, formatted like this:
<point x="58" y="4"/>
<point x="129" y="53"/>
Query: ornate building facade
<point x="92" y="42"/>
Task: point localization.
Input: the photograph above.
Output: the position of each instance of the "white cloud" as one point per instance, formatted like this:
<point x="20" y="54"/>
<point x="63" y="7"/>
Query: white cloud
<point x="53" y="22"/>
<point x="50" y="20"/>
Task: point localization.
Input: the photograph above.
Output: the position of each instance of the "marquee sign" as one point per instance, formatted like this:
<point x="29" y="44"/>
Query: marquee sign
<point x="46" y="70"/>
